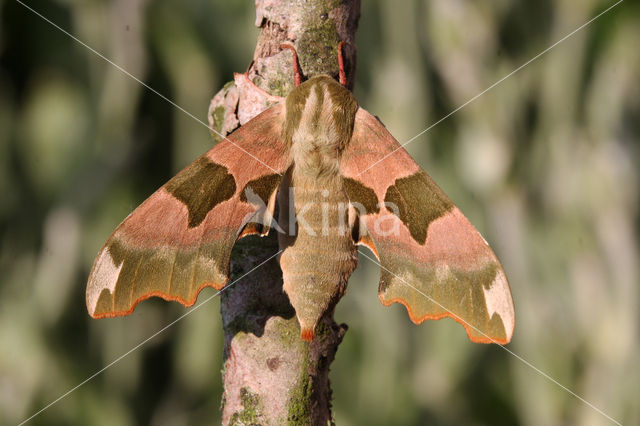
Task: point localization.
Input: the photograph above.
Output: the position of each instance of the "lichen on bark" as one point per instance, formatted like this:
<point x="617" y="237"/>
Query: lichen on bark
<point x="251" y="408"/>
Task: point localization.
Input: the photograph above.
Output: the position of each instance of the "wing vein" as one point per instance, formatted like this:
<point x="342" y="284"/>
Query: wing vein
<point x="195" y="262"/>
<point x="175" y="258"/>
<point x="173" y="265"/>
<point x="133" y="282"/>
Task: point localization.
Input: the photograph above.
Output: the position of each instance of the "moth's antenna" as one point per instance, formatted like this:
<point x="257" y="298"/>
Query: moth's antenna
<point x="341" y="74"/>
<point x="296" y="68"/>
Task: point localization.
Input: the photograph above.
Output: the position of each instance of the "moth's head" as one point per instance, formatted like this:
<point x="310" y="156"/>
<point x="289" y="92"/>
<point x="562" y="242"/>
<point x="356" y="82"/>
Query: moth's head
<point x="320" y="108"/>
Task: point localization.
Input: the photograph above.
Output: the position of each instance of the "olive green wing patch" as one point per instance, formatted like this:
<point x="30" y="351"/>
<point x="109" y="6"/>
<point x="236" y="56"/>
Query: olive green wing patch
<point x="418" y="201"/>
<point x="263" y="187"/>
<point x="201" y="186"/>
<point x="433" y="261"/>
<point x="362" y="195"/>
<point x="180" y="239"/>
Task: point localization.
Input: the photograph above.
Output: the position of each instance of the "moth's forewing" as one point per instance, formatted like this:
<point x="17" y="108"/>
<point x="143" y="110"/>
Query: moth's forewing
<point x="434" y="261"/>
<point x="180" y="239"/>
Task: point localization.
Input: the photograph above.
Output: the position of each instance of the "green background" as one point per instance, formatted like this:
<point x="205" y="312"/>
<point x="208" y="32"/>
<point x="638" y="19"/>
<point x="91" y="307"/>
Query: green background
<point x="546" y="165"/>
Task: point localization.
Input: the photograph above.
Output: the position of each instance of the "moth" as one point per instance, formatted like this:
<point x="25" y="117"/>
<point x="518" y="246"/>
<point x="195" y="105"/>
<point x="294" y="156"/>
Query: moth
<point x="311" y="155"/>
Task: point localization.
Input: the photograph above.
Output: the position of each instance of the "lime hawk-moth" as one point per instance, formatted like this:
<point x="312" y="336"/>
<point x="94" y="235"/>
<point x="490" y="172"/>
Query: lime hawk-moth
<point x="310" y="154"/>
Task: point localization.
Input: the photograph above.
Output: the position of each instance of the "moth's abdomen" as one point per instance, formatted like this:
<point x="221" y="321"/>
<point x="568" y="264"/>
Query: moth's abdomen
<point x="318" y="260"/>
<point x="316" y="278"/>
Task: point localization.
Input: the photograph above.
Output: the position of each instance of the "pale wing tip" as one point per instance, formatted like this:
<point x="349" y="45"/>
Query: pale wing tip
<point x="104" y="275"/>
<point x="499" y="301"/>
<point x="91" y="309"/>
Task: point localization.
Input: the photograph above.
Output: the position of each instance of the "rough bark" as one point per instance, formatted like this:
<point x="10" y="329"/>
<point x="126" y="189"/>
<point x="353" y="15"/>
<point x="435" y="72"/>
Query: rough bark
<point x="271" y="376"/>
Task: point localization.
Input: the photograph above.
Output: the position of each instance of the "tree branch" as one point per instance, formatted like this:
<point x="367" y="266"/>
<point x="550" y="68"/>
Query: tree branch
<point x="271" y="376"/>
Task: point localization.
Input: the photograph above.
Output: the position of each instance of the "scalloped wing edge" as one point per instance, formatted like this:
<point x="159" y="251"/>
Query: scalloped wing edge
<point x="161" y="295"/>
<point x="467" y="327"/>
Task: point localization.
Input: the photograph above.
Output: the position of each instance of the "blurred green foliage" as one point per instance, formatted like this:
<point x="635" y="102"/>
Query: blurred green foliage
<point x="546" y="165"/>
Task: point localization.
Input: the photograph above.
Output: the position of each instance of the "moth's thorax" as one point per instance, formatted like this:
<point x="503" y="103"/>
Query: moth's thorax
<point x="319" y="123"/>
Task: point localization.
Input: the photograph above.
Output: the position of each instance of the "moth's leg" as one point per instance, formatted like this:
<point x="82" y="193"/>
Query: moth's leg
<point x="341" y="74"/>
<point x="296" y="68"/>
